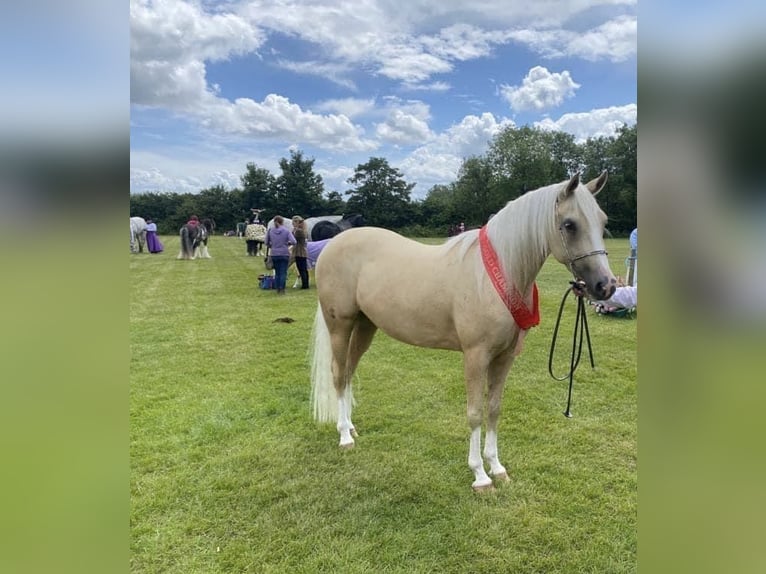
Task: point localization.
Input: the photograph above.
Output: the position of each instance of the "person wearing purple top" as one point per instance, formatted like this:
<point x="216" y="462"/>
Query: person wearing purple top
<point x="278" y="240"/>
<point x="152" y="241"/>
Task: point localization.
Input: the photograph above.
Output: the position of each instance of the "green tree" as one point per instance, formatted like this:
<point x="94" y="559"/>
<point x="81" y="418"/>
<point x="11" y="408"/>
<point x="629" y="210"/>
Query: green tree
<point x="334" y="204"/>
<point x="438" y="210"/>
<point x="220" y="205"/>
<point x="257" y="190"/>
<point x="624" y="161"/>
<point x="475" y="198"/>
<point x="299" y="190"/>
<point x="526" y="158"/>
<point x="380" y="194"/>
<point x="160" y="207"/>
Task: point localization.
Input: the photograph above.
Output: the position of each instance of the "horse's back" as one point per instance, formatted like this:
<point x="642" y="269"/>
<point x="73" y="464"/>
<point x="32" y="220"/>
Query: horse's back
<point x="400" y="284"/>
<point x="362" y="245"/>
<point x="138" y="223"/>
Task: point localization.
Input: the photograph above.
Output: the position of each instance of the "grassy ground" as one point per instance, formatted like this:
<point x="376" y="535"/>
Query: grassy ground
<point x="229" y="473"/>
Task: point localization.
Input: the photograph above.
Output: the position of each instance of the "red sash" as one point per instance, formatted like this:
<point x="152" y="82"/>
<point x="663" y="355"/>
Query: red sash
<point x="514" y="302"/>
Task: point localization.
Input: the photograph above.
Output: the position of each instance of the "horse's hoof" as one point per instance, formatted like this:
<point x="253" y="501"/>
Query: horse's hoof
<point x="484" y="488"/>
<point x="348" y="446"/>
<point x="502" y="477"/>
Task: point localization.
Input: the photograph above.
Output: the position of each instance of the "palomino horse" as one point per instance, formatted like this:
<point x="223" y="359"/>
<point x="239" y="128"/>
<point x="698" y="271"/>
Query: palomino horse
<point x="453" y="296"/>
<point x="194" y="240"/>
<point x="137" y="234"/>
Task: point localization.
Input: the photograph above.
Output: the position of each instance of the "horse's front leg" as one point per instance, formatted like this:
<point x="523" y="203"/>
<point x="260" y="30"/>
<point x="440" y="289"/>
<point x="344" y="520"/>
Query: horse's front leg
<point x="475" y="374"/>
<point x="496" y="375"/>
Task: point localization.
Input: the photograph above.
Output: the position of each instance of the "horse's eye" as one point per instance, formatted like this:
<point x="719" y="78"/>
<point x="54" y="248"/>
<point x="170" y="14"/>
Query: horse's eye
<point x="569" y="226"/>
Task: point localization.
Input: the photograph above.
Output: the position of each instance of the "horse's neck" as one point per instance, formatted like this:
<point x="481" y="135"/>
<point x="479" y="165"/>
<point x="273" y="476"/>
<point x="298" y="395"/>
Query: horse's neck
<point x="519" y="235"/>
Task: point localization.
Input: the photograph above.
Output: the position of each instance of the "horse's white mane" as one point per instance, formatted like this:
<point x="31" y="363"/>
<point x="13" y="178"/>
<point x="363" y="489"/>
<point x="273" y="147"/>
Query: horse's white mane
<point x="519" y="232"/>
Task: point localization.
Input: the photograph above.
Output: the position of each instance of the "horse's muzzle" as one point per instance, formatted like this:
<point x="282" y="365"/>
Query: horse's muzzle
<point x="604" y="288"/>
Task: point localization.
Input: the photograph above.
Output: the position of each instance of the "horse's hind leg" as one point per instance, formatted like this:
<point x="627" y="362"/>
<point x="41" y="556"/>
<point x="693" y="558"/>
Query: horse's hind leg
<point x="340" y="336"/>
<point x="496" y="375"/>
<point x="349" y="338"/>
<point x="361" y="339"/>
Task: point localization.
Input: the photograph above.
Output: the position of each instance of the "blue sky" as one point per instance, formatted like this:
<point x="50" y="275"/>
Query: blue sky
<point x="423" y="83"/>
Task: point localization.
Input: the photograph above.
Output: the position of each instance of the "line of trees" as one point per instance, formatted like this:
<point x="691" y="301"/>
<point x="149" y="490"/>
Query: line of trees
<point x="517" y="160"/>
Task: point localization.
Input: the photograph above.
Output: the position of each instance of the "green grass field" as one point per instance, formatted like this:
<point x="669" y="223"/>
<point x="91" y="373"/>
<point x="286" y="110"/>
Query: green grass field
<point x="229" y="472"/>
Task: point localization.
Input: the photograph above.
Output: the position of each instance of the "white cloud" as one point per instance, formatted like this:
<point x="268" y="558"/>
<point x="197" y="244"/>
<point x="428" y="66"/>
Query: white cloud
<point x="417" y="108"/>
<point x="439" y="160"/>
<point x="349" y="107"/>
<point x="463" y="42"/>
<point x="170" y="42"/>
<point x="406" y="61"/>
<point x="429" y="87"/>
<point x="277" y="118"/>
<point x="187" y="169"/>
<point x="336" y="73"/>
<point x="403" y="129"/>
<point x="540" y="90"/>
<point x="615" y="40"/>
<point x="595" y="123"/>
<point x="354" y="44"/>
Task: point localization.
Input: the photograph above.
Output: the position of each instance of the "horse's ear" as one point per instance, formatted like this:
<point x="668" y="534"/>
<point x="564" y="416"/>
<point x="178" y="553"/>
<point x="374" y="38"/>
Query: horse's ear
<point x="596" y="185"/>
<point x="568" y="190"/>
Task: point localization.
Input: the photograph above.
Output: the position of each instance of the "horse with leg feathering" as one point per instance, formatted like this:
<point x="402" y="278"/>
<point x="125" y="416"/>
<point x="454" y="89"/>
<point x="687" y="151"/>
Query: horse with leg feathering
<point x="194" y="238"/>
<point x="475" y="294"/>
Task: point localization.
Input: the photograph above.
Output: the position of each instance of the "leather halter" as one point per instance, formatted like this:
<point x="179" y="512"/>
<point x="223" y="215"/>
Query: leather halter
<point x="570" y="259"/>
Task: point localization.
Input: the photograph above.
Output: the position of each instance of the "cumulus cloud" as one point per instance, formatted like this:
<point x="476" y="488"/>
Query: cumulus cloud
<point x="276" y="117"/>
<point x="355" y="43"/>
<point x="615" y="41"/>
<point x="403" y="129"/>
<point x="170" y="43"/>
<point x="595" y="123"/>
<point x="439" y="160"/>
<point x="540" y="90"/>
<point x="405" y="60"/>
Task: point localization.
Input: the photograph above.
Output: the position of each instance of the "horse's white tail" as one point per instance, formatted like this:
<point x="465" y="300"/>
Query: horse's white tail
<point x="324" y="399"/>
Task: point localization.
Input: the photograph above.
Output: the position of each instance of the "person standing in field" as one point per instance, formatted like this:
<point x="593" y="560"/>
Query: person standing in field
<point x="278" y="241"/>
<point x="153" y="242"/>
<point x="300" y="251"/>
<point x="250" y="234"/>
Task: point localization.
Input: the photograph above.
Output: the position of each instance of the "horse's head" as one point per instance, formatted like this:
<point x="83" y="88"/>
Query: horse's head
<point x="578" y="240"/>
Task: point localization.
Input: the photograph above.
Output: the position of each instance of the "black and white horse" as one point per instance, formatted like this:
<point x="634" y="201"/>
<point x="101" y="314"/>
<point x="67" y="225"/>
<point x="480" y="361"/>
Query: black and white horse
<point x="326" y="229"/>
<point x="326" y="226"/>
<point x="194" y="239"/>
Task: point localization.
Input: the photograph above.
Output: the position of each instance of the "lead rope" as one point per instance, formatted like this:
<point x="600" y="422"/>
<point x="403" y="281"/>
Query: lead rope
<point x="581" y="325"/>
